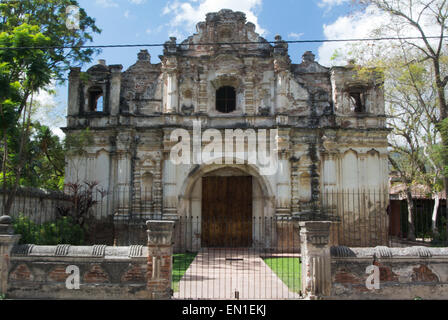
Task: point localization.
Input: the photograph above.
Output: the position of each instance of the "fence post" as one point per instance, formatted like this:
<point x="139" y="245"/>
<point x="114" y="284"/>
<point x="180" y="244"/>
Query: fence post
<point x="7" y="241"/>
<point x="160" y="258"/>
<point x="316" y="259"/>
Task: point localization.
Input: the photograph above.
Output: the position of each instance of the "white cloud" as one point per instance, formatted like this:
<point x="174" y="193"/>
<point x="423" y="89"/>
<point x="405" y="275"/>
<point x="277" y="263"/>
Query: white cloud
<point x="106" y="3"/>
<point x="126" y="14"/>
<point x="186" y="14"/>
<point x="365" y="24"/>
<point x="137" y="1"/>
<point x="154" y="31"/>
<point x="331" y="3"/>
<point x="49" y="112"/>
<point x="295" y="35"/>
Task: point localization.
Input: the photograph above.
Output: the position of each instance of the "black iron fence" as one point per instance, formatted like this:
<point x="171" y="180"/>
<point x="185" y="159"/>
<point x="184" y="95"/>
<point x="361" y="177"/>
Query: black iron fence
<point x="256" y="258"/>
<point x="77" y="216"/>
<point x="85" y="214"/>
<point x="360" y="218"/>
<point x="423" y="226"/>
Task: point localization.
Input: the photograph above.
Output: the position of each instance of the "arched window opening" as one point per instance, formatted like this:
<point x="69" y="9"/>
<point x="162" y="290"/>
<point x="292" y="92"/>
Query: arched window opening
<point x="96" y="101"/>
<point x="226" y="99"/>
<point x="358" y="100"/>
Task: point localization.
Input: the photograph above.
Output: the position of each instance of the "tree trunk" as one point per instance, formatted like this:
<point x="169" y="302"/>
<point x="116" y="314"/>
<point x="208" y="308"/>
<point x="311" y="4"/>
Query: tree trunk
<point x="411" y="210"/>
<point x="434" y="229"/>
<point x="21" y="156"/>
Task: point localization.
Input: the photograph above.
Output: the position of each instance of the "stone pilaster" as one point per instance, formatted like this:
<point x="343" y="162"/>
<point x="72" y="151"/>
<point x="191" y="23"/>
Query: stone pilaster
<point x="160" y="259"/>
<point x="316" y="259"/>
<point x="7" y="242"/>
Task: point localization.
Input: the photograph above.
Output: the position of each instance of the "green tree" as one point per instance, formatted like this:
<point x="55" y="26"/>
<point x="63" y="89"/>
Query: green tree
<point x="41" y="48"/>
<point x="419" y="73"/>
<point x="414" y="89"/>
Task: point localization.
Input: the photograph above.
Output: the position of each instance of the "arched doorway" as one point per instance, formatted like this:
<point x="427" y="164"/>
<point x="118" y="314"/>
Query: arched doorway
<point x="213" y="197"/>
<point x="227" y="214"/>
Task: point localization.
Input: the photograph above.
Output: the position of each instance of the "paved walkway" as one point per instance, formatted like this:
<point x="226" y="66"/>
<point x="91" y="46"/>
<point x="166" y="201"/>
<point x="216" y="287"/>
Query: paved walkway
<point x="222" y="274"/>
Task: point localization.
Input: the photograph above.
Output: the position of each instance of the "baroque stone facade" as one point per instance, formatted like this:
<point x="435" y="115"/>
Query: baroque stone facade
<point x="331" y="123"/>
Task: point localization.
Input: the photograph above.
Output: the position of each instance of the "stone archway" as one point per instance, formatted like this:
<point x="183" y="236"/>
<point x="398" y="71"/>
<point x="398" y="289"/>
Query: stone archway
<point x="191" y="202"/>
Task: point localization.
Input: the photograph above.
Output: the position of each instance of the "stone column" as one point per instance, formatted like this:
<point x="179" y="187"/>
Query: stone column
<point x="284" y="174"/>
<point x="115" y="87"/>
<point x="169" y="189"/>
<point x="7" y="241"/>
<point x="171" y="93"/>
<point x="73" y="92"/>
<point x="170" y="199"/>
<point x="171" y="90"/>
<point x="160" y="258"/>
<point x="316" y="259"/>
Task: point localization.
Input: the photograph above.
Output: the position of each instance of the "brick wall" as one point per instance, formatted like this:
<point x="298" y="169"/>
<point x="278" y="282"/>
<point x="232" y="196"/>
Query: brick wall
<point x="405" y="273"/>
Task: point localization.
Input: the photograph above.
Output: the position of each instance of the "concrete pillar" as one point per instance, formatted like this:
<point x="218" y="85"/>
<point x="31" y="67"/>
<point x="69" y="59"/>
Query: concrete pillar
<point x="316" y="259"/>
<point x="7" y="242"/>
<point x="160" y="258"/>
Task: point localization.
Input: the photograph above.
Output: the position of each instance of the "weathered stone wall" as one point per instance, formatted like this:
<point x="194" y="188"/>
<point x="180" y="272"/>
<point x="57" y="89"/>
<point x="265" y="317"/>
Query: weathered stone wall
<point x="96" y="272"/>
<point x="105" y="272"/>
<point x="405" y="273"/>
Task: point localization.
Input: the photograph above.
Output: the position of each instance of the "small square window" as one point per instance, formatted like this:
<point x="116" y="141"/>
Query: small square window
<point x="226" y="99"/>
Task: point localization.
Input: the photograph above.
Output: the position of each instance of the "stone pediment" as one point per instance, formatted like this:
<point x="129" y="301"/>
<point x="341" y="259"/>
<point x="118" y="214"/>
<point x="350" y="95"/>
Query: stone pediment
<point x="225" y="31"/>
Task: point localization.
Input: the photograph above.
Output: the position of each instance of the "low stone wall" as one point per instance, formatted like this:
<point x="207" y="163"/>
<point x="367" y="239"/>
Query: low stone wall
<point x="104" y="272"/>
<point x="405" y="273"/>
<point x="95" y="272"/>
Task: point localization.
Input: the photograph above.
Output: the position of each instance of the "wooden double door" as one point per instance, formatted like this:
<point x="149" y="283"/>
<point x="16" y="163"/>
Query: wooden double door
<point x="227" y="212"/>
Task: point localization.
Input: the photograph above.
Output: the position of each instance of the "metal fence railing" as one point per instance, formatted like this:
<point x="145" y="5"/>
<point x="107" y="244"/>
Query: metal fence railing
<point x="86" y="214"/>
<point x="257" y="258"/>
<point x="424" y="227"/>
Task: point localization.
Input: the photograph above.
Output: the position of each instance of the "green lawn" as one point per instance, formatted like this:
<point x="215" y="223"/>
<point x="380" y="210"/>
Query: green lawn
<point x="181" y="264"/>
<point x="289" y="270"/>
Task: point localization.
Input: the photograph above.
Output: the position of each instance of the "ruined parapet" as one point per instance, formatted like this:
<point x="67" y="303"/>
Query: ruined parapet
<point x="357" y="92"/>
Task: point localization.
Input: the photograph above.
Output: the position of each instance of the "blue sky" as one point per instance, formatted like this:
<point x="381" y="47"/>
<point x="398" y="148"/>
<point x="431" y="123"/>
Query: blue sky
<point x="154" y="21"/>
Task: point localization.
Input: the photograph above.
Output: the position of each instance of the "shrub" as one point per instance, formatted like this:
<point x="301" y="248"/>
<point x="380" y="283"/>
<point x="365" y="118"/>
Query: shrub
<point x="61" y="231"/>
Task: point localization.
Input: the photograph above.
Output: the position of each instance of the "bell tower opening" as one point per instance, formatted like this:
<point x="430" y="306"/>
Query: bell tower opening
<point x="96" y="101"/>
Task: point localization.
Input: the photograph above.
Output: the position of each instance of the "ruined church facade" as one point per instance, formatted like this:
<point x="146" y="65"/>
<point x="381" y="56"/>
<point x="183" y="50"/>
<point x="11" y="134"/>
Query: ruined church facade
<point x="331" y="125"/>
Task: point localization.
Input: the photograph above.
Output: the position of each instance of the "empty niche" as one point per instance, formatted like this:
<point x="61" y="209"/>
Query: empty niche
<point x="146" y="185"/>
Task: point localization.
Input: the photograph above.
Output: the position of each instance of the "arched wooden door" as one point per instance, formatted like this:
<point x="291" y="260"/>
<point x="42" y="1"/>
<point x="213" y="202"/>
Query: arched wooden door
<point x="227" y="212"/>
